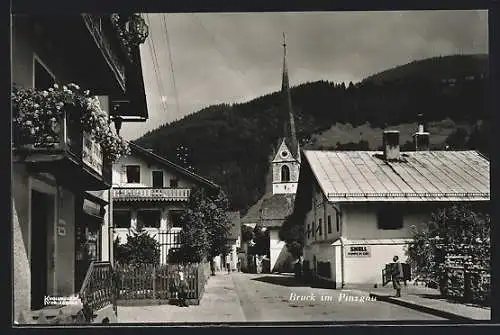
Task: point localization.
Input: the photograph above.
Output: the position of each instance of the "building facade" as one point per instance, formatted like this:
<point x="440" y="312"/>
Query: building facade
<point x="361" y="208"/>
<point x="151" y="192"/>
<point x="61" y="173"/>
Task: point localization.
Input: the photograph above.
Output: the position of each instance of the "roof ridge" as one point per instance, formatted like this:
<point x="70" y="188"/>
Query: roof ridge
<point x="169" y="163"/>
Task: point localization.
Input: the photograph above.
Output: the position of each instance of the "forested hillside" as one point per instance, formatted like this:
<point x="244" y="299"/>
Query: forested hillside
<point x="231" y="144"/>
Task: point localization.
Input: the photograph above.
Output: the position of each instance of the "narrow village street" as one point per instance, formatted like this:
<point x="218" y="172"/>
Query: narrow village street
<point x="243" y="297"/>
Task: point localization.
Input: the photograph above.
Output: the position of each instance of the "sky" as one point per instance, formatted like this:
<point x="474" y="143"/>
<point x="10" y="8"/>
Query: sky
<point x="213" y="58"/>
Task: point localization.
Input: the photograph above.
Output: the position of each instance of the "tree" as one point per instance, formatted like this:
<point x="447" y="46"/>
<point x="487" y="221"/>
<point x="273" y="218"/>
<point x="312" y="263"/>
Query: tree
<point x="458" y="139"/>
<point x="261" y="240"/>
<point x="292" y="233"/>
<point x="218" y="226"/>
<point x="194" y="236"/>
<point x="458" y="230"/>
<point x="247" y="233"/>
<point x="140" y="248"/>
<point x="205" y="226"/>
<point x="480" y="137"/>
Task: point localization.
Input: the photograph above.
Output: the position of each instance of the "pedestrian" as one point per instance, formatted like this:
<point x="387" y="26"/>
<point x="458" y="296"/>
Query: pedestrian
<point x="397" y="275"/>
<point x="183" y="288"/>
<point x="212" y="267"/>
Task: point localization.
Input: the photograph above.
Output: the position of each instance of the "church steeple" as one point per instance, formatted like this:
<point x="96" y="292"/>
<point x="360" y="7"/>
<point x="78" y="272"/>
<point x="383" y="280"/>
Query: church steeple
<point x="289" y="126"/>
<point x="286" y="162"/>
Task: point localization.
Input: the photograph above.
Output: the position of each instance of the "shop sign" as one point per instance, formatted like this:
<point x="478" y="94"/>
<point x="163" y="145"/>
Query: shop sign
<point x="91" y="208"/>
<point x="358" y="251"/>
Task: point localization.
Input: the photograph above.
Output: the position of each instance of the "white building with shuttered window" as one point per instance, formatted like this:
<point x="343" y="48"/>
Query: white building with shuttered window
<point x="151" y="191"/>
<point x="360" y="208"/>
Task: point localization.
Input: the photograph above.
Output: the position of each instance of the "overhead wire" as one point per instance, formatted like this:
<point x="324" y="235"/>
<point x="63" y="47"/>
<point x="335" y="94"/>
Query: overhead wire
<point x="214" y="44"/>
<point x="164" y="20"/>
<point x="156" y="66"/>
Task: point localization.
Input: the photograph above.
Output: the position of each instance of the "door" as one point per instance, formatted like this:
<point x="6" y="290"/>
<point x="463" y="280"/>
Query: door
<point x="40" y="207"/>
<point x="87" y="246"/>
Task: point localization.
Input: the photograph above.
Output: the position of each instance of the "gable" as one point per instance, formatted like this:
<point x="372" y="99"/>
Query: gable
<point x="283" y="154"/>
<point x="149" y="161"/>
<point x="146" y="169"/>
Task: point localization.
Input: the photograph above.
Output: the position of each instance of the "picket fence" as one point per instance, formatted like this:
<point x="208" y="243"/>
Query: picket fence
<point x="159" y="284"/>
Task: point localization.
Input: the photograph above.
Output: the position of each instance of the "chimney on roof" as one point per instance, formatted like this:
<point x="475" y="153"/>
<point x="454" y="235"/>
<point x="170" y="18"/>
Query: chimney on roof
<point x="421" y="137"/>
<point x="391" y="144"/>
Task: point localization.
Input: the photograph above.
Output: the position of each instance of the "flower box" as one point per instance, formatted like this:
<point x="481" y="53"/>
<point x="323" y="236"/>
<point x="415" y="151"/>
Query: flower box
<point x="65" y="116"/>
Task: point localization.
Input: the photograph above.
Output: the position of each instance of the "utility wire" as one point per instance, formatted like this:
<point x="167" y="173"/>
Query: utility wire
<point x="164" y="19"/>
<point x="214" y="43"/>
<point x="156" y="66"/>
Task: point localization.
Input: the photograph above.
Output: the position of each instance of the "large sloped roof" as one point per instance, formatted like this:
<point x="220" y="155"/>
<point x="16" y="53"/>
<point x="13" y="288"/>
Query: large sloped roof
<point x="275" y="209"/>
<point x="418" y="176"/>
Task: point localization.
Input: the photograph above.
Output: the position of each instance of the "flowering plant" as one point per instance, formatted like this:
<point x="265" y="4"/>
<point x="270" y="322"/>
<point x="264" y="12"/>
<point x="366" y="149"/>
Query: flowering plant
<point x="132" y="32"/>
<point x="38" y="115"/>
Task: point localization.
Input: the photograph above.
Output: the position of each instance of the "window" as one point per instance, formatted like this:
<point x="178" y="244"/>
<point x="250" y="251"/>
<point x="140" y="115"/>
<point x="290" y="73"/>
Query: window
<point x="43" y="78"/>
<point x="157" y="179"/>
<point x="329" y="224"/>
<point x="121" y="219"/>
<point x="308" y="231"/>
<point x="148" y="218"/>
<point x="133" y="174"/>
<point x="320" y="227"/>
<point x="313" y="229"/>
<point x="390" y="217"/>
<point x="337" y="219"/>
<point x="285" y="173"/>
<point x="174" y="218"/>
<point x="174" y="183"/>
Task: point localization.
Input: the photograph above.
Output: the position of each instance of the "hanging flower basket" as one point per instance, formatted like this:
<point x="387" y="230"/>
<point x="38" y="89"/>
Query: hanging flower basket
<point x="38" y="115"/>
<point x="131" y="29"/>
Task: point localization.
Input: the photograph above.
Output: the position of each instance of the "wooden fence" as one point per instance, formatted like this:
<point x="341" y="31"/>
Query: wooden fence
<point x="159" y="284"/>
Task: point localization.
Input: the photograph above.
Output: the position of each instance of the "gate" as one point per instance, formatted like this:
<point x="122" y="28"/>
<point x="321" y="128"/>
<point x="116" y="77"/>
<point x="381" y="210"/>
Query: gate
<point x="170" y="243"/>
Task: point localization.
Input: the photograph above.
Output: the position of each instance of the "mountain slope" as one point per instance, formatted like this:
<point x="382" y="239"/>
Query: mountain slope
<point x="231" y="144"/>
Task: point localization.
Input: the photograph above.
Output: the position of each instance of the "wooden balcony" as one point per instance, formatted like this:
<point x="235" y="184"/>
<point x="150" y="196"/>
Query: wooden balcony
<point x="107" y="40"/>
<point x="151" y="194"/>
<point x="72" y="157"/>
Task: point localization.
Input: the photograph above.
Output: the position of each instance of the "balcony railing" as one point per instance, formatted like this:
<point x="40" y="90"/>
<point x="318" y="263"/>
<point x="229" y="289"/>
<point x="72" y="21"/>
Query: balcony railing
<point x="151" y="194"/>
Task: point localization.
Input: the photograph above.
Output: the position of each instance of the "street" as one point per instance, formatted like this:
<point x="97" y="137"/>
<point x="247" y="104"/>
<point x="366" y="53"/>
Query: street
<point x="243" y="297"/>
<point x="269" y="297"/>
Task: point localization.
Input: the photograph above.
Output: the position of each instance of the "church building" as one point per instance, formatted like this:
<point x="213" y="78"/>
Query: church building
<point x="285" y="176"/>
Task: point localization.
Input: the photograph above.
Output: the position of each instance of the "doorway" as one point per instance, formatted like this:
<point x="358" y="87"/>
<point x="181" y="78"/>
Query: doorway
<point x="87" y="245"/>
<point x="41" y="208"/>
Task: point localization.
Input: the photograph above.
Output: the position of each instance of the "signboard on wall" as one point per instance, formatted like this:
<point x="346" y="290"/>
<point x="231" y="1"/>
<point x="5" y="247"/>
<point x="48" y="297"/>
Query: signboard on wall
<point x="358" y="251"/>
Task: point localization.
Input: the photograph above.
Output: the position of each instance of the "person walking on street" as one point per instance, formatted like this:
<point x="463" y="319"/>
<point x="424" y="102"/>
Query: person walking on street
<point x="397" y="275"/>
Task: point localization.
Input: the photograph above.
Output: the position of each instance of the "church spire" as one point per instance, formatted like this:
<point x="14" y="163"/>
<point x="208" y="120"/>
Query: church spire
<point x="289" y="126"/>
